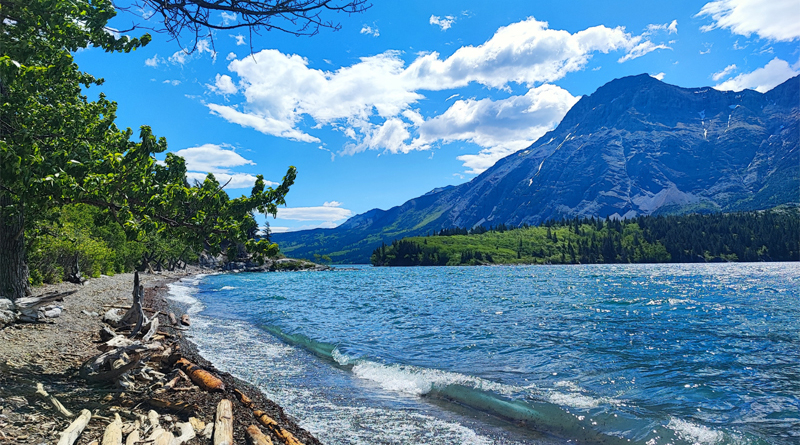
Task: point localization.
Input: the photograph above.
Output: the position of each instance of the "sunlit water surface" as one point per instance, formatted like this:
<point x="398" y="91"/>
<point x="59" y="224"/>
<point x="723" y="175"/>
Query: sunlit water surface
<point x="648" y="354"/>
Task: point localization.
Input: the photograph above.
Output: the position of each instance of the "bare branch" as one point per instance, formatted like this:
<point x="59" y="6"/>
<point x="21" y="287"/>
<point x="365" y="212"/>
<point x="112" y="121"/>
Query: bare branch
<point x="195" y="19"/>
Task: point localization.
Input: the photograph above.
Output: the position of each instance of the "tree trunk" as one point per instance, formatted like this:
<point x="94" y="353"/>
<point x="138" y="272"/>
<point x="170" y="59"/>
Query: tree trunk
<point x="13" y="269"/>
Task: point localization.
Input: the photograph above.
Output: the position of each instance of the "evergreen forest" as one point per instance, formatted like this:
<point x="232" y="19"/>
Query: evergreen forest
<point x="772" y="235"/>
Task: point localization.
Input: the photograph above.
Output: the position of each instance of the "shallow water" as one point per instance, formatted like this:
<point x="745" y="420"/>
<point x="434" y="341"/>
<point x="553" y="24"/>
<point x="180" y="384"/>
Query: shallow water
<point x="650" y="354"/>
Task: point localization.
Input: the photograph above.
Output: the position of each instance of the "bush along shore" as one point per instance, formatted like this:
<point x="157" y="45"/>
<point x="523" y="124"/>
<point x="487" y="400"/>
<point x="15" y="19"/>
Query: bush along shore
<point x="115" y="368"/>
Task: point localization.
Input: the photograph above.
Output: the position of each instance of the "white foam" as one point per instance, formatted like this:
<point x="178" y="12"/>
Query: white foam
<point x="418" y="381"/>
<point x="184" y="290"/>
<point x="228" y="288"/>
<point x="575" y="397"/>
<point x="341" y="358"/>
<point x="697" y="434"/>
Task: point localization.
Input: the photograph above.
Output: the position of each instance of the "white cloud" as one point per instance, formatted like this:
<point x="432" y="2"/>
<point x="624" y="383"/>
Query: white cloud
<point x="500" y="127"/>
<point x="153" y="61"/>
<point x="372" y="101"/>
<point x="179" y="57"/>
<point x="228" y="17"/>
<point x="366" y="29"/>
<point x="762" y="79"/>
<point x="223" y="84"/>
<point x="443" y="23"/>
<point x="173" y="82"/>
<point x="659" y="76"/>
<point x="329" y="212"/>
<point x="212" y="158"/>
<point x="265" y="125"/>
<point x="230" y="56"/>
<point x="182" y="56"/>
<point x="284" y="229"/>
<point x="233" y="181"/>
<point x="525" y="52"/>
<point x="642" y="49"/>
<point x="240" y="40"/>
<point x="724" y="73"/>
<point x="216" y="159"/>
<point x="771" y="19"/>
<point x="670" y="28"/>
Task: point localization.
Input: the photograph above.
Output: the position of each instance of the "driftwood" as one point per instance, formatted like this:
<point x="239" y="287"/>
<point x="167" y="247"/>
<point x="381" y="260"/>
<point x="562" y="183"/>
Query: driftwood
<point x="106" y="334"/>
<point x="185" y="319"/>
<point x="112" y="364"/>
<point x="256" y="437"/>
<point x="152" y="418"/>
<point x="75" y="277"/>
<point x="223" y="423"/>
<point x="134" y="316"/>
<point x="285" y="436"/>
<point x="172" y="319"/>
<point x="201" y="377"/>
<point x="70" y="435"/>
<point x="160" y="436"/>
<point x="133" y="437"/>
<point x="140" y="318"/>
<point x="197" y="424"/>
<point x="59" y="407"/>
<point x="113" y="433"/>
<point x="152" y="329"/>
<point x="187" y="433"/>
<point x="173" y="406"/>
<point x="38" y="308"/>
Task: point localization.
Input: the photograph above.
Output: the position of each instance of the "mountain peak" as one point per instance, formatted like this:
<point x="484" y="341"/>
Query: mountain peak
<point x="636" y="146"/>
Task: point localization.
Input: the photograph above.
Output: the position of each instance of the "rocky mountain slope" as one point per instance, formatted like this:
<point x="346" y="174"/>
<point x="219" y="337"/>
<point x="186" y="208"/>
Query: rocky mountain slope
<point x="637" y="146"/>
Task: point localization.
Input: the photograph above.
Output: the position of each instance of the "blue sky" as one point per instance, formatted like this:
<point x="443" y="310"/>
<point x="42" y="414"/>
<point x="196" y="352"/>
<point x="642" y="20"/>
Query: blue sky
<point x="409" y="96"/>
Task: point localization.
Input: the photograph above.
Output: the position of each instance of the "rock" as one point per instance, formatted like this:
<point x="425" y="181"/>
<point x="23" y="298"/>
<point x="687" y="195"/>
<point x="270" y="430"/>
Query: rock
<point x="51" y="311"/>
<point x="8" y="313"/>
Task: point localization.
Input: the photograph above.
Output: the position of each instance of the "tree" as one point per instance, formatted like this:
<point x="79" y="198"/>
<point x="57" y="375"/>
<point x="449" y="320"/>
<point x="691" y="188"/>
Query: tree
<point x="58" y="147"/>
<point x="197" y="17"/>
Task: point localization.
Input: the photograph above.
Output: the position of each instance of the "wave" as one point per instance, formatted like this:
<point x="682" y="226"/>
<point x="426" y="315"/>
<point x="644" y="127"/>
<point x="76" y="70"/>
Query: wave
<point x="318" y="348"/>
<point x="506" y="402"/>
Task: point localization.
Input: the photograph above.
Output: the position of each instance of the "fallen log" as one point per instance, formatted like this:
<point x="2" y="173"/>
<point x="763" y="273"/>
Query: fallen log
<point x="70" y="435"/>
<point x="113" y="432"/>
<point x="201" y="377"/>
<point x="285" y="436"/>
<point x="223" y="423"/>
<point x="256" y="437"/>
<point x="38" y="309"/>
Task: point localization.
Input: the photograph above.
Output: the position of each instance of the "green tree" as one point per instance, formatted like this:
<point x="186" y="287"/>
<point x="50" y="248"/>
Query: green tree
<point x="58" y="147"/>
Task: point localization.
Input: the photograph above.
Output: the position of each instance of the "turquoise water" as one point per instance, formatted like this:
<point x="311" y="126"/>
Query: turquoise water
<point x="649" y="354"/>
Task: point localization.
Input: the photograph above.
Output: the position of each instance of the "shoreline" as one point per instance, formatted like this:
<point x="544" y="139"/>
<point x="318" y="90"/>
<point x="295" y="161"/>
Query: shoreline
<point x="52" y="354"/>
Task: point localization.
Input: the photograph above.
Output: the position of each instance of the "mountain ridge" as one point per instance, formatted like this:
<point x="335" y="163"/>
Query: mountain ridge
<point x="636" y="146"/>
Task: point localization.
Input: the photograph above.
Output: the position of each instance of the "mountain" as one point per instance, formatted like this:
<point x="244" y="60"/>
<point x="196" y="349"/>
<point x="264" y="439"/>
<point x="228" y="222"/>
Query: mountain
<point x="637" y="146"/>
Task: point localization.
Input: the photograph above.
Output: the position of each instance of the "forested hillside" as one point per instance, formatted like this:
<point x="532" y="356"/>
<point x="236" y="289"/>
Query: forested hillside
<point x="750" y="236"/>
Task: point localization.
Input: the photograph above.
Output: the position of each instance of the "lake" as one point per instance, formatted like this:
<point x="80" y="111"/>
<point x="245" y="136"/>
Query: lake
<point x="647" y="354"/>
